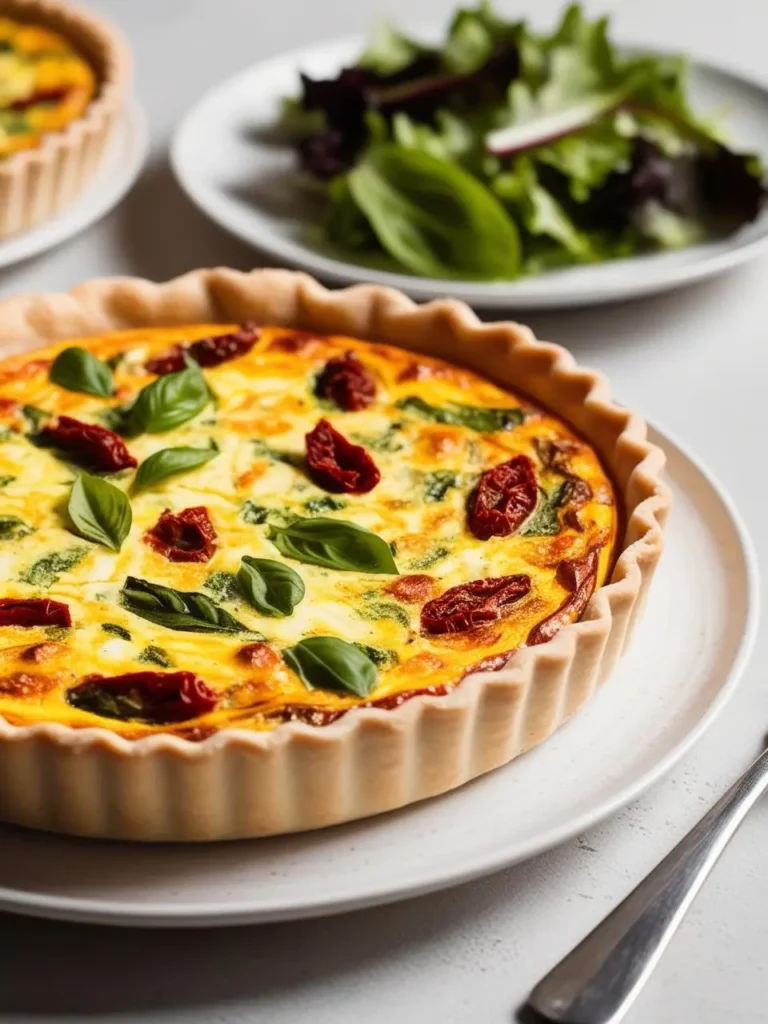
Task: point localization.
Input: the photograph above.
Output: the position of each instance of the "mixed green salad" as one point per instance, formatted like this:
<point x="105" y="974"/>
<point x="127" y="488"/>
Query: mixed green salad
<point x="505" y="153"/>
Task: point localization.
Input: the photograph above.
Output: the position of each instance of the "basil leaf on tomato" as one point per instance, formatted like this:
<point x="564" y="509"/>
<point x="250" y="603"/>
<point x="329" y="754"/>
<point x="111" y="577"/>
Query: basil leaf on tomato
<point x="79" y="370"/>
<point x="99" y="511"/>
<point x="329" y="663"/>
<point x="171" y="461"/>
<point x="271" y="587"/>
<point x="168" y="402"/>
<point x="334" y="543"/>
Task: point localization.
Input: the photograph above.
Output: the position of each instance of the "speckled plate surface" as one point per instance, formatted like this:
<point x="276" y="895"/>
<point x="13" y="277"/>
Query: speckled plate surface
<point x="687" y="657"/>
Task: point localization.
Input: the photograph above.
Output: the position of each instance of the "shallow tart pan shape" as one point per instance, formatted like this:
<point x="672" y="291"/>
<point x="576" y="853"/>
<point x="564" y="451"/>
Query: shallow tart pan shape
<point x="240" y="783"/>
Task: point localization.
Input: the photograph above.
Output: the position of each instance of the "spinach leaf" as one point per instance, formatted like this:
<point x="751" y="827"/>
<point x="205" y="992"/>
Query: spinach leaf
<point x="5" y="480"/>
<point x="437" y="484"/>
<point x="377" y="610"/>
<point x="35" y="417"/>
<point x="334" y="543"/>
<point x="187" y="611"/>
<point x="13" y="528"/>
<point x="152" y="655"/>
<point x="545" y="520"/>
<point x="384" y="657"/>
<point x="324" y="504"/>
<point x="271" y="587"/>
<point x="474" y="417"/>
<point x="47" y="570"/>
<point x="119" y="631"/>
<point x="99" y="511"/>
<point x="170" y="461"/>
<point x="253" y="513"/>
<point x="433" y="217"/>
<point x="388" y="441"/>
<point x="223" y="586"/>
<point x="168" y="402"/>
<point x="79" y="370"/>
<point x="430" y="559"/>
<point x="328" y="663"/>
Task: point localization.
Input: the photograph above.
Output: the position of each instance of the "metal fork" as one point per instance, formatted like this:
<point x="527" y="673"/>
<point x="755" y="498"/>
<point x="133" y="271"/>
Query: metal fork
<point x="598" y="981"/>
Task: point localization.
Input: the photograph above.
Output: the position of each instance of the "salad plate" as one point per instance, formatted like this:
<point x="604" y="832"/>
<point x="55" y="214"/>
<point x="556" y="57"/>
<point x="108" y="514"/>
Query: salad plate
<point x="233" y="165"/>
<point x="685" y="662"/>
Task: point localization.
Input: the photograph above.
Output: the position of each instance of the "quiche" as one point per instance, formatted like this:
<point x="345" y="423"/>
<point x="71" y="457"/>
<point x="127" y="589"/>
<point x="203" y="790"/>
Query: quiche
<point x="44" y="84"/>
<point x="307" y="561"/>
<point x="62" y="81"/>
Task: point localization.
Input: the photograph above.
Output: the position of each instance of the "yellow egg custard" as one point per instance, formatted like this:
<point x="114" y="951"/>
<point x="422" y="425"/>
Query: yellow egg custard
<point x="44" y="84"/>
<point x="218" y="526"/>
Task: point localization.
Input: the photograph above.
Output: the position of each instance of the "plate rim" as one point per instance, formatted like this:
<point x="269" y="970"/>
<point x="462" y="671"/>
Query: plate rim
<point x="54" y="232"/>
<point x="487" y="295"/>
<point x="110" y="912"/>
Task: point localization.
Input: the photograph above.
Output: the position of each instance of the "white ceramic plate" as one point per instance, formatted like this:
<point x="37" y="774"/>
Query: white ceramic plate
<point x="119" y="169"/>
<point x="686" y="660"/>
<point x="226" y="163"/>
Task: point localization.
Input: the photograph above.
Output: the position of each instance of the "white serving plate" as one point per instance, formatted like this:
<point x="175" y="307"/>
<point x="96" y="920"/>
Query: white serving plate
<point x="688" y="655"/>
<point x="229" y="165"/>
<point x="119" y="169"/>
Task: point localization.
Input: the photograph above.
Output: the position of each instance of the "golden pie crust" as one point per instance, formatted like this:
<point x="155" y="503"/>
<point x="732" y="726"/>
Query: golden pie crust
<point x="36" y="183"/>
<point x="235" y="783"/>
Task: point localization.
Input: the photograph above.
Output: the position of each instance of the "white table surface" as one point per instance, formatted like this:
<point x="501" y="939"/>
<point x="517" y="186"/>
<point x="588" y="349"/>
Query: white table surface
<point x="695" y="361"/>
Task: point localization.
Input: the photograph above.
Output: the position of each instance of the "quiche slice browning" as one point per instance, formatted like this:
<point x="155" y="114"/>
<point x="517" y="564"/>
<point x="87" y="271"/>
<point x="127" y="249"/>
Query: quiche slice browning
<point x="238" y="526"/>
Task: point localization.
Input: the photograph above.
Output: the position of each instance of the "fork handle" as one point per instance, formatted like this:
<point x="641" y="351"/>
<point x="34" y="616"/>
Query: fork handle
<point x="599" y="979"/>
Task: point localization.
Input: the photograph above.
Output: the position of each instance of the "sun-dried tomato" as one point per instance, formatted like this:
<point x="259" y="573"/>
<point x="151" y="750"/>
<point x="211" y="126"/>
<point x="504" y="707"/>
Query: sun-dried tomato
<point x="156" y="697"/>
<point x="473" y="604"/>
<point x="42" y="96"/>
<point x="337" y="465"/>
<point x="207" y="351"/>
<point x="346" y="382"/>
<point x="493" y="663"/>
<point x="578" y="577"/>
<point x="503" y="499"/>
<point x="412" y="589"/>
<point x="31" y="611"/>
<point x="89" y="445"/>
<point x="259" y="655"/>
<point x="187" y="536"/>
<point x="577" y="492"/>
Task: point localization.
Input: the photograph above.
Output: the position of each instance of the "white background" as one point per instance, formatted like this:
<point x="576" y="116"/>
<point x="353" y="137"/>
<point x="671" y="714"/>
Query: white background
<point x="697" y="362"/>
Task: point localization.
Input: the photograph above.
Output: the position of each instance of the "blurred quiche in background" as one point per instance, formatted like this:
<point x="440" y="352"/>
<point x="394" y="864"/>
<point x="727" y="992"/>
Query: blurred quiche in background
<point x="62" y="81"/>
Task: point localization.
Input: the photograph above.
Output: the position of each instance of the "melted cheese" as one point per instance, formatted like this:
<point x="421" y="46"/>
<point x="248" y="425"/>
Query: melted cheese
<point x="44" y="85"/>
<point x="265" y="405"/>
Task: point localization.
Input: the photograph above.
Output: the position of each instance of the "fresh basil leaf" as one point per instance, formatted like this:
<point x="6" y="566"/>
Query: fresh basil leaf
<point x="484" y="420"/>
<point x="187" y="611"/>
<point x="334" y="543"/>
<point x="99" y="511"/>
<point x="79" y="370"/>
<point x="435" y="218"/>
<point x="169" y="462"/>
<point x="545" y="520"/>
<point x="13" y="528"/>
<point x="271" y="587"/>
<point x="328" y="663"/>
<point x="168" y="402"/>
<point x="46" y="570"/>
